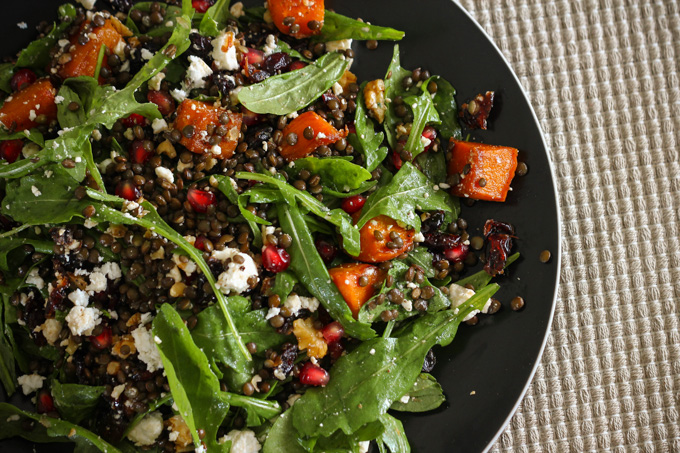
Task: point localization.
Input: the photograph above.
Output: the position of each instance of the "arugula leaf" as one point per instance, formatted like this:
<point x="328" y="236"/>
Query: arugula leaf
<point x="337" y="173"/>
<point x="258" y="410"/>
<point x="289" y="92"/>
<point x="367" y="140"/>
<point x="283" y="284"/>
<point x="8" y="373"/>
<point x="394" y="436"/>
<point x="172" y="12"/>
<point x="433" y="165"/>
<point x="75" y="402"/>
<point x="37" y="54"/>
<point x="6" y="73"/>
<point x="226" y="185"/>
<point x="66" y="116"/>
<point x="283" y="437"/>
<point x="283" y="46"/>
<point x="422" y="257"/>
<point x="48" y="429"/>
<point x="482" y="278"/>
<point x="424" y="113"/>
<point x="366" y="382"/>
<point x="195" y="388"/>
<point x="336" y="27"/>
<point x="407" y="191"/>
<point x="445" y="103"/>
<point x="425" y="395"/>
<point x="339" y="442"/>
<point x="215" y="18"/>
<point x="11" y="243"/>
<point x="310" y="269"/>
<point x="393" y="88"/>
<point x="337" y="217"/>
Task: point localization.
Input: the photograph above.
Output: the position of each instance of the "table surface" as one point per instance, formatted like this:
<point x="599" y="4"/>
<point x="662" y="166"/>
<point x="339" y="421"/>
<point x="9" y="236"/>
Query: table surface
<point x="603" y="79"/>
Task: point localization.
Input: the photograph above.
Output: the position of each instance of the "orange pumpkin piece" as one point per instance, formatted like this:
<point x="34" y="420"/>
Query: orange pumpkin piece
<point x="485" y="171"/>
<point x="324" y="134"/>
<point x="302" y="11"/>
<point x="375" y="235"/>
<point x="84" y="57"/>
<point x="202" y="114"/>
<point x="346" y="277"/>
<point x="20" y="111"/>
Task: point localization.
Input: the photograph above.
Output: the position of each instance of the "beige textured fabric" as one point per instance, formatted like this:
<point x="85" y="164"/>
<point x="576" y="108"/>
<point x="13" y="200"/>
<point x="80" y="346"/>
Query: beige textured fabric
<point x="603" y="77"/>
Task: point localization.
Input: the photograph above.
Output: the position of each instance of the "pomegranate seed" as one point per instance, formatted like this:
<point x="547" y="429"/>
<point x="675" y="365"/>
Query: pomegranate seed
<point x="327" y="250"/>
<point x="22" y="78"/>
<point x="333" y="332"/>
<point x="200" y="243"/>
<point x="328" y="96"/>
<point x="253" y="56"/>
<point x="429" y="133"/>
<point x="139" y="154"/>
<point x="336" y="349"/>
<point x="11" y="149"/>
<point x="351" y="128"/>
<point x="294" y="66"/>
<point x="103" y="340"/>
<point x="251" y="118"/>
<point x="353" y="204"/>
<point x="275" y="259"/>
<point x="311" y="374"/>
<point x="45" y="402"/>
<point x="456" y="253"/>
<point x="135" y="119"/>
<point x="165" y="103"/>
<point x="201" y="6"/>
<point x="200" y="200"/>
<point x="127" y="190"/>
<point x="396" y="160"/>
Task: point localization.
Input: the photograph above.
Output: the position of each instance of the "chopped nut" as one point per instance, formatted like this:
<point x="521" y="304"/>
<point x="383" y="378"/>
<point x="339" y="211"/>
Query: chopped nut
<point x="309" y="338"/>
<point x="374" y="97"/>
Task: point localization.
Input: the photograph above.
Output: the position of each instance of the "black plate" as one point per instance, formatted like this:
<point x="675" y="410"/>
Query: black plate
<point x="486" y="371"/>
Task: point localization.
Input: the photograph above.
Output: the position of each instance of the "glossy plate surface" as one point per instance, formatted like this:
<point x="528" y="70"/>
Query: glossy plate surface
<point x="487" y="368"/>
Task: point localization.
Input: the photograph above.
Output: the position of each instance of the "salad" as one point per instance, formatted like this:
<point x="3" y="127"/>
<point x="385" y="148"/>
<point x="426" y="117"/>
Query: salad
<point x="214" y="237"/>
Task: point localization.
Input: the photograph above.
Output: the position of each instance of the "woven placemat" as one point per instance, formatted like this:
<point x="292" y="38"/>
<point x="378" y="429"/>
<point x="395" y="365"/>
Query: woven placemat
<point x="603" y="77"/>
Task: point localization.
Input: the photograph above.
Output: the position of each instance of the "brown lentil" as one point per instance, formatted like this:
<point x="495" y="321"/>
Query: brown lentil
<point x="517" y="303"/>
<point x="545" y="256"/>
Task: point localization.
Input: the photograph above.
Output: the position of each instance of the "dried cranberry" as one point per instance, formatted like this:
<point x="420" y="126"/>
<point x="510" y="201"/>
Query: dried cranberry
<point x="278" y="61"/>
<point x="457" y="253"/>
<point x="45" y="402"/>
<point x="494" y="227"/>
<point x="336" y="349"/>
<point x="475" y="113"/>
<point x="294" y="66"/>
<point x="103" y="340"/>
<point x="327" y="250"/>
<point x="135" y="119"/>
<point x="288" y="355"/>
<point x="333" y="332"/>
<point x="11" y="149"/>
<point x="22" y="78"/>
<point x="429" y="133"/>
<point x="200" y="200"/>
<point x="499" y="239"/>
<point x="441" y="241"/>
<point x="311" y="374"/>
<point x="165" y="103"/>
<point x="275" y="259"/>
<point x="251" y="118"/>
<point x="328" y="96"/>
<point x="200" y="242"/>
<point x="353" y="204"/>
<point x="430" y="361"/>
<point x="127" y="190"/>
<point x="138" y="153"/>
<point x="201" y="6"/>
<point x="258" y="75"/>
<point x="433" y="223"/>
<point x="395" y="158"/>
<point x="223" y="83"/>
<point x="200" y="47"/>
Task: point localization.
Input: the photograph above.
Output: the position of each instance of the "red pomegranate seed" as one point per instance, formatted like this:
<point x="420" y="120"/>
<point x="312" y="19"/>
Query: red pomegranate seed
<point x="396" y="160"/>
<point x="11" y="149"/>
<point x="45" y="402"/>
<point x="457" y="253"/>
<point x="351" y="128"/>
<point x="200" y="243"/>
<point x="200" y="200"/>
<point x="127" y="190"/>
<point x="201" y="6"/>
<point x="103" y="340"/>
<point x="333" y="332"/>
<point x="336" y="349"/>
<point x="429" y="133"/>
<point x="139" y="154"/>
<point x="275" y="259"/>
<point x="22" y="78"/>
<point x="253" y="56"/>
<point x="165" y="103"/>
<point x="311" y="374"/>
<point x="294" y="66"/>
<point x="353" y="204"/>
<point x="251" y="118"/>
<point x="327" y="250"/>
<point x="135" y="119"/>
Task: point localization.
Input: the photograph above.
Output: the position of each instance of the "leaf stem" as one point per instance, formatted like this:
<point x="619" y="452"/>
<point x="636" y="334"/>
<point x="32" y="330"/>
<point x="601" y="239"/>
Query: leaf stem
<point x="14" y="231"/>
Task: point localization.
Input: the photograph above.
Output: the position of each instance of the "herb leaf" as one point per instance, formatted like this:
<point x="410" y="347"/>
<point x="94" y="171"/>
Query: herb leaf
<point x="445" y="103"/>
<point x="310" y="269"/>
<point x="366" y="139"/>
<point x="423" y="114"/>
<point x="282" y="437"/>
<point x="336" y="27"/>
<point x="75" y="401"/>
<point x="393" y="88"/>
<point x="407" y="191"/>
<point x="337" y="173"/>
<point x="286" y="93"/>
<point x="37" y="54"/>
<point x="433" y="165"/>
<point x="195" y="388"/>
<point x="11" y="243"/>
<point x="394" y="436"/>
<point x="425" y="395"/>
<point x="214" y="18"/>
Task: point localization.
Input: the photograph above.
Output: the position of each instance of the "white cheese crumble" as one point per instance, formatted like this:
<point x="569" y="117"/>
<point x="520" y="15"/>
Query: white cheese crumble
<point x="242" y="441"/>
<point x="79" y="298"/>
<point x="36" y="191"/>
<point x="87" y="4"/>
<point x="405" y="399"/>
<point x="419" y="237"/>
<point x="97" y="284"/>
<point x="235" y="278"/>
<point x="273" y="311"/>
<point x="165" y="173"/>
<point x="269" y="45"/>
<point x="197" y="71"/>
<point x="363" y="446"/>
<point x="224" y="52"/>
<point x="337" y="89"/>
<point x="82" y="320"/>
<point x="295" y="303"/>
<point x="459" y="294"/>
<point x="147" y="430"/>
<point x="22" y="25"/>
<point x="342" y="44"/>
<point x="146" y="54"/>
<point x="184" y="263"/>
<point x="35" y="279"/>
<point x="50" y="329"/>
<point x="236" y="10"/>
<point x="117" y="391"/>
<point x="178" y="95"/>
<point x="155" y="81"/>
<point x="147" y="349"/>
<point x="30" y="382"/>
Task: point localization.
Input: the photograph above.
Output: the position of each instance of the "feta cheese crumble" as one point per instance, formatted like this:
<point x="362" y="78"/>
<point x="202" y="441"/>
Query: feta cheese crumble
<point x="242" y="441"/>
<point x="147" y="349"/>
<point x="295" y="303"/>
<point x="198" y="70"/>
<point x="459" y="294"/>
<point x="30" y="383"/>
<point x="82" y="320"/>
<point x="147" y="430"/>
<point x="87" y="4"/>
<point x="165" y="173"/>
<point x="224" y="52"/>
<point x="235" y="278"/>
